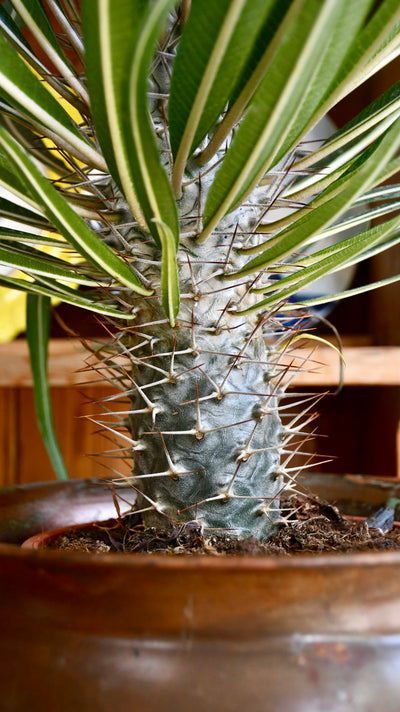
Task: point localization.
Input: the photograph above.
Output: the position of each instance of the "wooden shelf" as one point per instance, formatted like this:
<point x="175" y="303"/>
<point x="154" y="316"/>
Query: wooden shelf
<point x="364" y="365"/>
<point x="367" y="416"/>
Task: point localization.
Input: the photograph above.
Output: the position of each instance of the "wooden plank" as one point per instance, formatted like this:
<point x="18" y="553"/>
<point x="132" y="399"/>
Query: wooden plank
<point x="67" y="359"/>
<point x="364" y="365"/>
<point x="9" y="425"/>
<point x="83" y="447"/>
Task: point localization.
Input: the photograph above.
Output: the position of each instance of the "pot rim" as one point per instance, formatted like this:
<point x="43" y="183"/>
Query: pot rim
<point x="193" y="561"/>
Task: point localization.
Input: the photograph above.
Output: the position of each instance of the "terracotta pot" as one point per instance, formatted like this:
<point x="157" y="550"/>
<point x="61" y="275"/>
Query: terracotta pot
<point x="115" y="633"/>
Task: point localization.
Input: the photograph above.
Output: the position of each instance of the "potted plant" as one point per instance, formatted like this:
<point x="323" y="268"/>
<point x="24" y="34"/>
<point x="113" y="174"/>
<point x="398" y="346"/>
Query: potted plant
<point x="157" y="153"/>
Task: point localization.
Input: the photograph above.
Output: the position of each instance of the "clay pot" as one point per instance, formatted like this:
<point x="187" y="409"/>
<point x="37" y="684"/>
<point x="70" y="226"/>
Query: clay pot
<point x="115" y="632"/>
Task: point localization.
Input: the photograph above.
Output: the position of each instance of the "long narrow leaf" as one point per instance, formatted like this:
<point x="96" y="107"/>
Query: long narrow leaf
<point x="385" y="105"/>
<point x="300" y="232"/>
<point x="348" y="26"/>
<point x="10" y="29"/>
<point x="35" y="18"/>
<point x="151" y="181"/>
<point x="38" y="328"/>
<point x="303" y="40"/>
<point x="110" y="29"/>
<point x="327" y="261"/>
<point x="35" y="262"/>
<point x="9" y="210"/>
<point x="253" y="71"/>
<point x="22" y="237"/>
<point x="169" y="274"/>
<point x="338" y="161"/>
<point x="67" y="222"/>
<point x="365" y="58"/>
<point x="21" y="88"/>
<point x="329" y="298"/>
<point x="216" y="44"/>
<point x="63" y="293"/>
<point x="10" y="181"/>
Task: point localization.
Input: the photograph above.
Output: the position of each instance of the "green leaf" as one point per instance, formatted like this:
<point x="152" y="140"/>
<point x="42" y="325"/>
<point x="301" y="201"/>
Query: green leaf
<point x="169" y="274"/>
<point x="334" y="185"/>
<point x="379" y="194"/>
<point x="216" y="43"/>
<point x="359" y="218"/>
<point x="344" y="31"/>
<point x="38" y="328"/>
<point x="151" y="181"/>
<point x="303" y="229"/>
<point x="63" y="293"/>
<point x="308" y="303"/>
<point x="110" y="29"/>
<point x="329" y="260"/>
<point x="10" y="180"/>
<point x="297" y="55"/>
<point x="373" y="116"/>
<point x="9" y="210"/>
<point x="21" y="237"/>
<point x="35" y="18"/>
<point x="21" y="88"/>
<point x="368" y="53"/>
<point x="36" y="262"/>
<point x="248" y="82"/>
<point x="10" y="29"/>
<point x="66" y="221"/>
<point x="120" y="40"/>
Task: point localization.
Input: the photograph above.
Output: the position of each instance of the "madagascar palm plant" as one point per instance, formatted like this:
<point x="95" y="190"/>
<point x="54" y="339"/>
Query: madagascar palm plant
<point x="157" y="153"/>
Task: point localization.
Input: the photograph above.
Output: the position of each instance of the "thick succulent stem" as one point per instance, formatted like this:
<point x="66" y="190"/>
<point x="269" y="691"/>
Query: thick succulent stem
<point x="208" y="447"/>
<point x="205" y="420"/>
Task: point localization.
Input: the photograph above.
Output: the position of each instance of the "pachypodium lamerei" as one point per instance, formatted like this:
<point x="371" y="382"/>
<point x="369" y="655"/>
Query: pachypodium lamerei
<point x="167" y="140"/>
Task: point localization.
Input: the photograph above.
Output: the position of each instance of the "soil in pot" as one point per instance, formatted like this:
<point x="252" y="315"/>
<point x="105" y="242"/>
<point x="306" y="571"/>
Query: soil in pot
<point x="315" y="527"/>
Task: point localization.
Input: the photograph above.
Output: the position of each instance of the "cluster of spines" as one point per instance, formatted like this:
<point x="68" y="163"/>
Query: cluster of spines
<point x="114" y="363"/>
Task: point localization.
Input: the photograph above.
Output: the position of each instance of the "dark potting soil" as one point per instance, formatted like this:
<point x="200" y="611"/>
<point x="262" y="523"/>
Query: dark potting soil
<point x="314" y="527"/>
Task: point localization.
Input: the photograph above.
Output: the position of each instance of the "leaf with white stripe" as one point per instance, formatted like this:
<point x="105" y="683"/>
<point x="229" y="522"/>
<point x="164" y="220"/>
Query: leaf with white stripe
<point x="344" y="31"/>
<point x="351" y="19"/>
<point x="169" y="274"/>
<point x="110" y="29"/>
<point x="10" y="29"/>
<point x="151" y="181"/>
<point x="371" y="51"/>
<point x="9" y="210"/>
<point x="20" y="237"/>
<point x="343" y="141"/>
<point x="306" y="304"/>
<point x="65" y="294"/>
<point x="298" y="50"/>
<point x="66" y="221"/>
<point x="11" y="181"/>
<point x="35" y="262"/>
<point x="38" y="332"/>
<point x="333" y="258"/>
<point x="303" y="229"/>
<point x="216" y="43"/>
<point x="35" y="18"/>
<point x="21" y="88"/>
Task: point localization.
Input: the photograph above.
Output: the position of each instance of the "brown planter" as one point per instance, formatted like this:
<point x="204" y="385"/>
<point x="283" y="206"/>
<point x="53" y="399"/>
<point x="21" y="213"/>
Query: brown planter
<point x="121" y="633"/>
